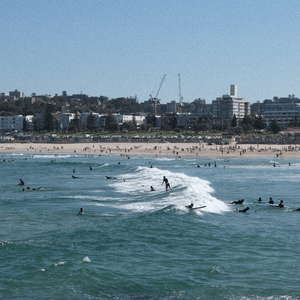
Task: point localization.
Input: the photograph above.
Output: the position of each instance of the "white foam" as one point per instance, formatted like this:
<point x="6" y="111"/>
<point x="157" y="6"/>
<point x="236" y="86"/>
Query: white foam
<point x="85" y="259"/>
<point x="186" y="190"/>
<point x="59" y="263"/>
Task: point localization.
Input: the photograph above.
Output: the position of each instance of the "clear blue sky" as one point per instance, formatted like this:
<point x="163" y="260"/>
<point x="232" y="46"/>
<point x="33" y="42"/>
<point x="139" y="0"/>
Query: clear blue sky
<point x="121" y="48"/>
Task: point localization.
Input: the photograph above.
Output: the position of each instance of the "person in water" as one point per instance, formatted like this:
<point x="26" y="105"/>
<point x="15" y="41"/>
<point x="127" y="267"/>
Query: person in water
<point x="190" y="206"/>
<point x="237" y="202"/>
<point x="165" y="180"/>
<point x="74" y="176"/>
<point x="81" y="212"/>
<point x="152" y="189"/>
<point x="280" y="205"/>
<point x="259" y="199"/>
<point x="21" y="182"/>
<point x="242" y="210"/>
<point x="271" y="201"/>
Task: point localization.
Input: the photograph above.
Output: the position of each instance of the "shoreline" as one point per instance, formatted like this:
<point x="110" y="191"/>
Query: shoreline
<point x="159" y="149"/>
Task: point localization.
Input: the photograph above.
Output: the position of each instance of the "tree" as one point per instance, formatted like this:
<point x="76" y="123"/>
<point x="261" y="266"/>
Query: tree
<point x="49" y="119"/>
<point x="90" y="122"/>
<point x="110" y="123"/>
<point x="25" y="127"/>
<point x="274" y="127"/>
<point x="234" y="121"/>
<point x="259" y="123"/>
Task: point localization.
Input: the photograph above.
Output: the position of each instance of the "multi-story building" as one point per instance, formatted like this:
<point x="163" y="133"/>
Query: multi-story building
<point x="15" y="123"/>
<point x="65" y="120"/>
<point x="16" y="94"/>
<point x="284" y="110"/>
<point x="139" y="120"/>
<point x="225" y="107"/>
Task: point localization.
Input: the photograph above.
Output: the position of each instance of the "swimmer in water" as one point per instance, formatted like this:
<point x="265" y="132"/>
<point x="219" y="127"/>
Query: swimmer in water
<point x="280" y="205"/>
<point x="237" y="202"/>
<point x="81" y="212"/>
<point x="165" y="180"/>
<point x="242" y="210"/>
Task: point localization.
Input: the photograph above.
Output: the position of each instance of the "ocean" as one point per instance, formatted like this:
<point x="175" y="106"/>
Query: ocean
<point x="133" y="243"/>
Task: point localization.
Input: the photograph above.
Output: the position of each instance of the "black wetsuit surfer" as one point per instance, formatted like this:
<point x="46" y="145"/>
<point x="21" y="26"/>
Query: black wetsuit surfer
<point x="165" y="180"/>
<point x="237" y="202"/>
<point x="242" y="210"/>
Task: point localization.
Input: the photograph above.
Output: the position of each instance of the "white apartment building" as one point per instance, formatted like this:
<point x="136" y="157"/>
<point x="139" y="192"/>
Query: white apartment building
<point x="227" y="106"/>
<point x="139" y="120"/>
<point x="12" y="123"/>
<point x="65" y="120"/>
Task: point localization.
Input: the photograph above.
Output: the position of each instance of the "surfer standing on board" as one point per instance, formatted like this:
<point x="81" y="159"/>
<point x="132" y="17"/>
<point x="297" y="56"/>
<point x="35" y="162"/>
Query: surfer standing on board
<point x="165" y="180"/>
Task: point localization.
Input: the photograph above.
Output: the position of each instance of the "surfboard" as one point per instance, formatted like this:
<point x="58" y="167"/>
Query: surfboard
<point x="195" y="207"/>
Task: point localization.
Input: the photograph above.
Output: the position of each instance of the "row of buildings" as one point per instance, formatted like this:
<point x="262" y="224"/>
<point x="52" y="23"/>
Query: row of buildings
<point x="223" y="109"/>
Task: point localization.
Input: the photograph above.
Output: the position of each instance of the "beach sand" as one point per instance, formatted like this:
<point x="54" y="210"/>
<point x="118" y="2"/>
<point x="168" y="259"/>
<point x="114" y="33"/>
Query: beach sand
<point x="159" y="149"/>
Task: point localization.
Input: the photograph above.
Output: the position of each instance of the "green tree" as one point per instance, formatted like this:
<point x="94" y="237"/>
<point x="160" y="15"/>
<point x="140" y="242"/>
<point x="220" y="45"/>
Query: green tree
<point x="234" y="121"/>
<point x="25" y="127"/>
<point x="90" y="122"/>
<point x="49" y="124"/>
<point x="259" y="123"/>
<point x="274" y="127"/>
<point x="110" y="123"/>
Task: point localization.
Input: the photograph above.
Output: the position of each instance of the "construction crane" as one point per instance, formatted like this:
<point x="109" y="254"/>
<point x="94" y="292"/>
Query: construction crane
<point x="155" y="100"/>
<point x="180" y="97"/>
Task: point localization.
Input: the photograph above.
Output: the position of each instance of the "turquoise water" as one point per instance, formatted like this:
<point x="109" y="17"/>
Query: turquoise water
<point x="135" y="244"/>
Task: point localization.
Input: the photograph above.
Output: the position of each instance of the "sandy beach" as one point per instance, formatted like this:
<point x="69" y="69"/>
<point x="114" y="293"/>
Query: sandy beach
<point x="159" y="149"/>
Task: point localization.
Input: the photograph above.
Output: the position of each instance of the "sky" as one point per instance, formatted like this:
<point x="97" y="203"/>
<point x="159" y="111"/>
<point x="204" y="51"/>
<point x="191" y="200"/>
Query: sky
<point x="119" y="48"/>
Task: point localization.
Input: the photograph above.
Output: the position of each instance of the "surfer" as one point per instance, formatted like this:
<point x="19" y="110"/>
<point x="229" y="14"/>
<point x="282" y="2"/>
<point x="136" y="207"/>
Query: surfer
<point x="280" y="205"/>
<point x="74" y="176"/>
<point x="259" y="199"/>
<point x="190" y="206"/>
<point x="242" y="210"/>
<point x="81" y="212"/>
<point x="21" y="182"/>
<point x="165" y="180"/>
<point x="152" y="189"/>
<point x="74" y="171"/>
<point x="271" y="201"/>
<point x="237" y="202"/>
<point x="91" y="168"/>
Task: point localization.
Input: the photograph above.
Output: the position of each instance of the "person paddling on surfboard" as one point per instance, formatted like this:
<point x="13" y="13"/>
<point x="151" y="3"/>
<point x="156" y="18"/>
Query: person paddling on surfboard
<point x="190" y="206"/>
<point x="237" y="202"/>
<point x="280" y="205"/>
<point x="165" y="180"/>
<point x="81" y="212"/>
<point x="242" y="210"/>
